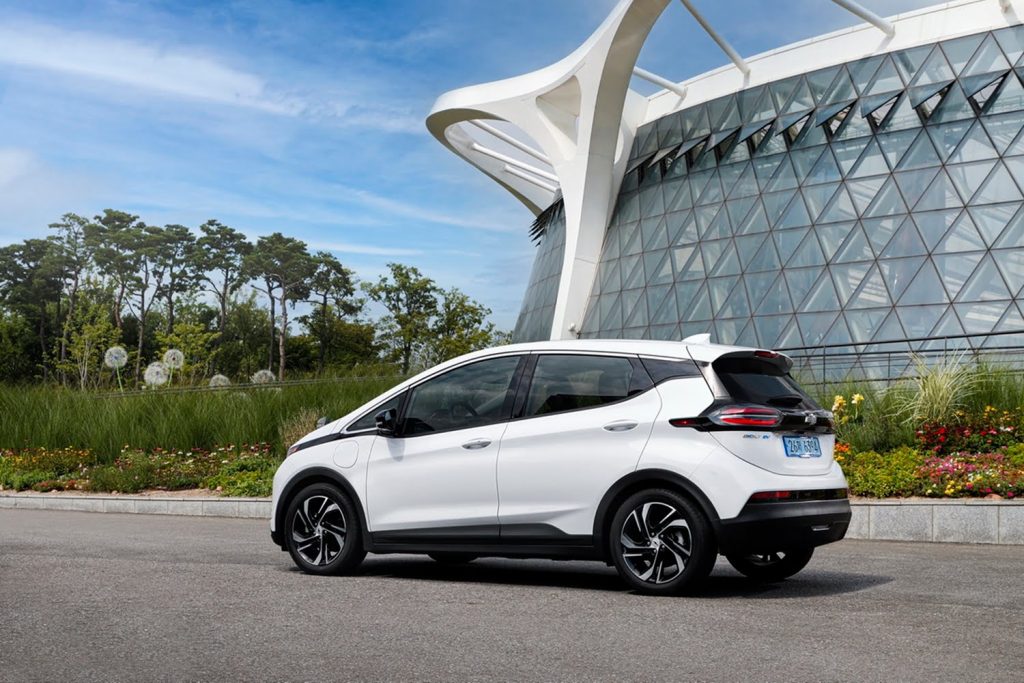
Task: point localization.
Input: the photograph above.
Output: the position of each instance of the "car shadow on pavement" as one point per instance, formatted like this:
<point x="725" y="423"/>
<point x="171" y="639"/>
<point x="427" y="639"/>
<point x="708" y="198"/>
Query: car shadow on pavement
<point x="723" y="583"/>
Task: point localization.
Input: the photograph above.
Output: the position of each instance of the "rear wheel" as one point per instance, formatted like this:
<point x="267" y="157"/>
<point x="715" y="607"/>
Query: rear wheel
<point x="774" y="566"/>
<point x="661" y="542"/>
<point x="452" y="558"/>
<point x="322" y="531"/>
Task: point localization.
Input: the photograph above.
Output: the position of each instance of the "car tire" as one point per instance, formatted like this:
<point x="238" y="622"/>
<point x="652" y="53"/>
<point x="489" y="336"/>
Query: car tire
<point x="774" y="566"/>
<point x="661" y="543"/>
<point x="452" y="558"/>
<point x="322" y="531"/>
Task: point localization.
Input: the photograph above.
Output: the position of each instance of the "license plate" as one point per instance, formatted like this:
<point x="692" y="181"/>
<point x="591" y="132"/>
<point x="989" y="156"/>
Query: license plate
<point x="802" y="446"/>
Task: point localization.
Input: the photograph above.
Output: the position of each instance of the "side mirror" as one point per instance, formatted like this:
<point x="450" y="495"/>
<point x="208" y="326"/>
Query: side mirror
<point x="321" y="422"/>
<point x="387" y="422"/>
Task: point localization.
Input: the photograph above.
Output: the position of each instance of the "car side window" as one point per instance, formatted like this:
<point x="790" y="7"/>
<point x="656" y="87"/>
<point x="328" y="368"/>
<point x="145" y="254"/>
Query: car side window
<point x="562" y="383"/>
<point x="469" y="396"/>
<point x="368" y="420"/>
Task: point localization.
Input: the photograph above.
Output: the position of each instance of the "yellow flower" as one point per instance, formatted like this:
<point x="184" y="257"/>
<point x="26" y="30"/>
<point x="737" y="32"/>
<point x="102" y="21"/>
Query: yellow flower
<point x="857" y="399"/>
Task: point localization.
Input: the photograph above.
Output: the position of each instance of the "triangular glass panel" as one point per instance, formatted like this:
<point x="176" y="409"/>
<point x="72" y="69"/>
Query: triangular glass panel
<point x="921" y="94"/>
<point x="863" y="70"/>
<point x="730" y="172"/>
<point x="755" y="104"/>
<point x="757" y="285"/>
<point x="736" y="306"/>
<point x="854" y="127"/>
<point x="991" y="219"/>
<point x="841" y="88"/>
<point x="948" y="137"/>
<point x="987" y="59"/>
<point x="1013" y="235"/>
<point x="926" y="288"/>
<point x="826" y="170"/>
<point x="771" y="327"/>
<point x="962" y="237"/>
<point x="685" y="292"/>
<point x="801" y="99"/>
<point x="902" y="117"/>
<point x="881" y="230"/>
<point x="906" y="242"/>
<point x="960" y="50"/>
<point x="765" y="168"/>
<point x="887" y="201"/>
<point x="795" y="216"/>
<point x="782" y="91"/>
<point x="934" y="70"/>
<point x="721" y="143"/>
<point x="834" y="121"/>
<point x="792" y="125"/>
<point x="723" y="113"/>
<point x="921" y="154"/>
<point x="877" y="109"/>
<point x="822" y="297"/>
<point x="695" y="151"/>
<point x="941" y="194"/>
<point x="847" y="152"/>
<point x="847" y="278"/>
<point x="814" y="326"/>
<point x="948" y="326"/>
<point x="895" y="145"/>
<point x="1010" y="97"/>
<point x="864" y="323"/>
<point x="1011" y="321"/>
<point x="932" y="225"/>
<point x="634" y="308"/>
<point x="804" y="160"/>
<point x="800" y="281"/>
<point x="728" y="262"/>
<point x="953" y="107"/>
<point x="825" y="112"/>
<point x="664" y="332"/>
<point x="817" y="198"/>
<point x="739" y="208"/>
<point x="755" y="222"/>
<point x="746" y="185"/>
<point x="789" y="338"/>
<point x="890" y="330"/>
<point x="608" y="279"/>
<point x="1011" y="265"/>
<point x="841" y="208"/>
<point x="652" y="202"/>
<point x="981" y="318"/>
<point x="872" y="292"/>
<point x="918" y="321"/>
<point x="775" y="203"/>
<point x="986" y="284"/>
<point x="610" y="311"/>
<point x="969" y="177"/>
<point x="789" y="240"/>
<point x="720" y="288"/>
<point x="765" y="259"/>
<point x="632" y="272"/>
<point x="643" y="160"/>
<point x="747" y="247"/>
<point x="998" y="187"/>
<point x="898" y="273"/>
<point x="913" y="183"/>
<point x="784" y="178"/>
<point x="776" y="298"/>
<point x="886" y="79"/>
<point x="909" y="61"/>
<point x="706" y="217"/>
<point x="974" y="147"/>
<point x="819" y="82"/>
<point x="658" y="267"/>
<point x="980" y="90"/>
<point x="661" y="301"/>
<point x="807" y="253"/>
<point x="856" y="248"/>
<point x="832" y="237"/>
<point x="677" y="196"/>
<point x="712" y="192"/>
<point x="1016" y="166"/>
<point x="1011" y="40"/>
<point x="719" y="228"/>
<point x="1003" y="128"/>
<point x="864" y="191"/>
<point x="699" y="307"/>
<point x="682" y="228"/>
<point x="666" y="154"/>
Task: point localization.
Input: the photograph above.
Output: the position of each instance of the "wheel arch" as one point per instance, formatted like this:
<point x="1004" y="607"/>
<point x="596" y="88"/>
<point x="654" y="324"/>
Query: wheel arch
<point x="318" y="475"/>
<point x="638" y="481"/>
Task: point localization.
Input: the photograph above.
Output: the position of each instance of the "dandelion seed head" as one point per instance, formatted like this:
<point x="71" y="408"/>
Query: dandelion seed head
<point x="174" y="359"/>
<point x="219" y="381"/>
<point x="155" y="375"/>
<point x="115" y="357"/>
<point x="263" y="377"/>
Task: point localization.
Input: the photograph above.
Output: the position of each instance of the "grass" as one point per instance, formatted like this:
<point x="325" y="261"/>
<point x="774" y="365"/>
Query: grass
<point x="53" y="418"/>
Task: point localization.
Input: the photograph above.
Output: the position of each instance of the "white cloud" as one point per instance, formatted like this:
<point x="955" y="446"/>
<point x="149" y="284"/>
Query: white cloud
<point x="350" y="248"/>
<point x="14" y="164"/>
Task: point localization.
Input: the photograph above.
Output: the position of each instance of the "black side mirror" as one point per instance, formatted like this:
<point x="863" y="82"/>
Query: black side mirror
<point x="321" y="422"/>
<point x="387" y="422"/>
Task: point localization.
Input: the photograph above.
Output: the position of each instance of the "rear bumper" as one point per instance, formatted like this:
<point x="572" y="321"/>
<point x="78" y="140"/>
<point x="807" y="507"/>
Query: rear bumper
<point x="766" y="527"/>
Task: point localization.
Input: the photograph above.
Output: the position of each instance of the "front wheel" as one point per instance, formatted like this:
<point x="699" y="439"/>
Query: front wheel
<point x="774" y="566"/>
<point x="661" y="542"/>
<point x="322" y="531"/>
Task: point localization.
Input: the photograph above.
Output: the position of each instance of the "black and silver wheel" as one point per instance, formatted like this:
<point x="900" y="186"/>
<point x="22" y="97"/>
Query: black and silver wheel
<point x="322" y="531"/>
<point x="452" y="558"/>
<point x="773" y="566"/>
<point x="661" y="542"/>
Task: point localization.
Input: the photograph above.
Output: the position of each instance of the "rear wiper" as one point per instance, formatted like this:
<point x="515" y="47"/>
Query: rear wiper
<point x="788" y="400"/>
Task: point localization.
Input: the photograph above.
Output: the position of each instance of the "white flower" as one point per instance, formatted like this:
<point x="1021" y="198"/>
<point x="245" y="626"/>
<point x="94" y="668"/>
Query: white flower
<point x="263" y="377"/>
<point x="174" y="359"/>
<point x="219" y="381"/>
<point x="115" y="357"/>
<point x="155" y="375"/>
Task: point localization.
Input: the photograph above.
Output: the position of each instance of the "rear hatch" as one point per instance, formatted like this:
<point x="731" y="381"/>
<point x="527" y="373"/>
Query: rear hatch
<point x="761" y="415"/>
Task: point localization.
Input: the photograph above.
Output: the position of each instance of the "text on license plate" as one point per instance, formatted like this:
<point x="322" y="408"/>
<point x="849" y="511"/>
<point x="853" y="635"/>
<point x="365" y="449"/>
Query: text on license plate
<point x="802" y="446"/>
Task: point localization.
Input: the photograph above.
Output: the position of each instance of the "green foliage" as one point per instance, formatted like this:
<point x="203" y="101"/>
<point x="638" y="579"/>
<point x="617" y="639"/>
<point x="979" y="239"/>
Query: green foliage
<point x="878" y="475"/>
<point x="411" y="302"/>
<point x="197" y="346"/>
<point x="936" y="392"/>
<point x="252" y="478"/>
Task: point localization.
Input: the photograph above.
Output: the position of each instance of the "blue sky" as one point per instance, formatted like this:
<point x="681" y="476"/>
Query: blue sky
<point x="307" y="117"/>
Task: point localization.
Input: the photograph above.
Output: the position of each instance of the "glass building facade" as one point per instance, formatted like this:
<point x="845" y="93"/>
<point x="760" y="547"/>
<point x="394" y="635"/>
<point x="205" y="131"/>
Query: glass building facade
<point x="871" y="202"/>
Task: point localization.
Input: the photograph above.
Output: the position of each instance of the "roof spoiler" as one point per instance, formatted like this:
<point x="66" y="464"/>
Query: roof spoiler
<point x="698" y="339"/>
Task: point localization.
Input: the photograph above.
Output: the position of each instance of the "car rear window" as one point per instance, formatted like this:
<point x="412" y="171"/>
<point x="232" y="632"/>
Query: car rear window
<point x="662" y="369"/>
<point x="750" y="380"/>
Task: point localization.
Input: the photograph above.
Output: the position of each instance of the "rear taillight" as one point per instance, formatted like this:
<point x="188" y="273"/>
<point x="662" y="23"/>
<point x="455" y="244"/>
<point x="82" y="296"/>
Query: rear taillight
<point x="747" y="416"/>
<point x="766" y="354"/>
<point x="769" y="496"/>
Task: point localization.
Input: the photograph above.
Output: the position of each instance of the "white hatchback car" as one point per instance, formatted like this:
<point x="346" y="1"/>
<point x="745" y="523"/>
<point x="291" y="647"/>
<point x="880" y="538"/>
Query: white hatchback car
<point x="650" y="456"/>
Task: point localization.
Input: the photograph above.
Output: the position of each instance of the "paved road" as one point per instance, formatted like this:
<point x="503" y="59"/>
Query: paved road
<point x="133" y="597"/>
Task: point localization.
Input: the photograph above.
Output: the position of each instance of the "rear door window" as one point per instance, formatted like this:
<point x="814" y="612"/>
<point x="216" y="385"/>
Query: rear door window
<point x="568" y="382"/>
<point x="751" y="380"/>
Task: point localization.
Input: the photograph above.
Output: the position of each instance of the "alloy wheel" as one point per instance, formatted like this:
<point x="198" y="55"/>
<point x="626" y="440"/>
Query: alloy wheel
<point x="656" y="542"/>
<point x="319" y="530"/>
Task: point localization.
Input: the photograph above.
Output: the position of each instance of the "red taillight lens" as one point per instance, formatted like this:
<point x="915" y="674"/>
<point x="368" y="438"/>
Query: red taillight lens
<point x="747" y="416"/>
<point x="685" y="422"/>
<point x="768" y="496"/>
<point x="765" y="354"/>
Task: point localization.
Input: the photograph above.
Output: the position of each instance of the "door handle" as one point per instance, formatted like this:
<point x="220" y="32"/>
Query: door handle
<point x="476" y="444"/>
<point x="620" y="426"/>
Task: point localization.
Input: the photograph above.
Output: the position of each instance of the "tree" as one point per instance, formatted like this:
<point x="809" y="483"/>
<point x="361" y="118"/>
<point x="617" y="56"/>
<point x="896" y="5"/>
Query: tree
<point x="411" y="301"/>
<point x="90" y="334"/>
<point x="217" y="260"/>
<point x="29" y="282"/>
<point x="112" y="239"/>
<point x="287" y="267"/>
<point x="75" y="257"/>
<point x="176" y="256"/>
<point x="331" y="283"/>
<point x="459" y="327"/>
<point x="196" y="344"/>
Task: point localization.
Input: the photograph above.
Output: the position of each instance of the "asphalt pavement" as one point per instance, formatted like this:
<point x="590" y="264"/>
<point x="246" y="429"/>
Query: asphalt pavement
<point x="104" y="597"/>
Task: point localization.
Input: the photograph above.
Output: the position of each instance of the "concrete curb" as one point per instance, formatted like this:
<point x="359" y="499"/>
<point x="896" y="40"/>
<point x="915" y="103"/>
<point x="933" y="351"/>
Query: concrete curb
<point x="248" y="508"/>
<point x="934" y="521"/>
